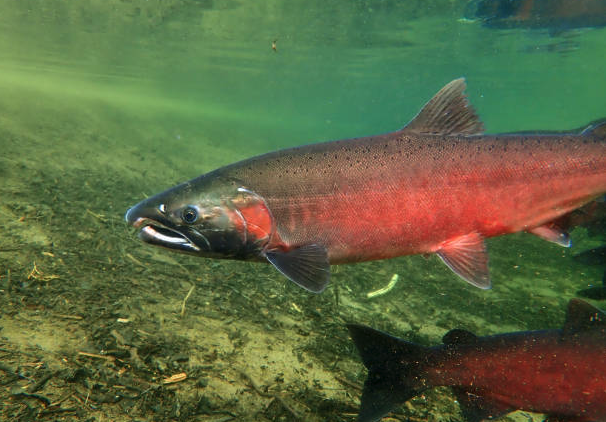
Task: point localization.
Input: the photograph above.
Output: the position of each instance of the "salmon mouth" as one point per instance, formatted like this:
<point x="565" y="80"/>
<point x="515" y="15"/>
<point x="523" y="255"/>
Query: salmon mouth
<point x="158" y="234"/>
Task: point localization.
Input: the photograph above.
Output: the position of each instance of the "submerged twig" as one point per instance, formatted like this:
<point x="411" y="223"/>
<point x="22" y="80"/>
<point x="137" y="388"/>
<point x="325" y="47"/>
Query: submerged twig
<point x="40" y="383"/>
<point x="62" y="399"/>
<point x="60" y="410"/>
<point x="337" y="297"/>
<point x="74" y="317"/>
<point x="277" y="397"/>
<point x="181" y="376"/>
<point x="45" y="400"/>
<point x="96" y="356"/>
<point x="135" y="260"/>
<point x="121" y="344"/>
<point x="348" y="383"/>
<point x="10" y="372"/>
<point x="8" y="282"/>
<point x="225" y="419"/>
<point x="99" y="217"/>
<point x="185" y="300"/>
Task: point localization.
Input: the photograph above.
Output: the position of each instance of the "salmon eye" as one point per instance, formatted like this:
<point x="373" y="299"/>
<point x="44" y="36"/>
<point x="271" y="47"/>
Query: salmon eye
<point x="189" y="215"/>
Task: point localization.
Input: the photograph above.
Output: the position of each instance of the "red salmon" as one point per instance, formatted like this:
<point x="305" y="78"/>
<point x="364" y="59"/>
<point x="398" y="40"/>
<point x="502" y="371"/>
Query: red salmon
<point x="561" y="373"/>
<point x="436" y="186"/>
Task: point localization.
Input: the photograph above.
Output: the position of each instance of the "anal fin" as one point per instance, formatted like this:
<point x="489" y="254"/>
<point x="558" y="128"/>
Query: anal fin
<point x="476" y="408"/>
<point x="467" y="256"/>
<point x="306" y="266"/>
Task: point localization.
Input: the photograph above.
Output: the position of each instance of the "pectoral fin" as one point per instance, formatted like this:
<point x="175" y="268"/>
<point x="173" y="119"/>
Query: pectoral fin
<point x="552" y="233"/>
<point x="467" y="256"/>
<point x="307" y="266"/>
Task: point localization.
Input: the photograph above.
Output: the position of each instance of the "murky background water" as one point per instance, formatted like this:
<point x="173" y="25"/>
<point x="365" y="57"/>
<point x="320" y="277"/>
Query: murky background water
<point x="105" y="102"/>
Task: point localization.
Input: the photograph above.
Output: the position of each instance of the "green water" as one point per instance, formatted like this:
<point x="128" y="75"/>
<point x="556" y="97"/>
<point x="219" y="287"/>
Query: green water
<point x="105" y="102"/>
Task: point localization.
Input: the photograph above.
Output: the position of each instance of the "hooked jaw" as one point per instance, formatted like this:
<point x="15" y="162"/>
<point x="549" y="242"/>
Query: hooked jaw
<point x="167" y="238"/>
<point x="157" y="230"/>
<point x="203" y="224"/>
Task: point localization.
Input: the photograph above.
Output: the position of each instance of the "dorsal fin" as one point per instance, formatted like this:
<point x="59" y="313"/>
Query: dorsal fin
<point x="447" y="113"/>
<point x="459" y="336"/>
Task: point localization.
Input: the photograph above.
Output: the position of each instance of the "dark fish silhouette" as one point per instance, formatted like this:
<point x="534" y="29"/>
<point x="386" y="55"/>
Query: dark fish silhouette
<point x="436" y="186"/>
<point x="555" y="15"/>
<point x="591" y="216"/>
<point x="596" y="256"/>
<point x="561" y="373"/>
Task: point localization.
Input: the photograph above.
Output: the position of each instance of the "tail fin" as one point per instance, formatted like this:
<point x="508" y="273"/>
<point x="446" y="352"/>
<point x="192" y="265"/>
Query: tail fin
<point x="395" y="372"/>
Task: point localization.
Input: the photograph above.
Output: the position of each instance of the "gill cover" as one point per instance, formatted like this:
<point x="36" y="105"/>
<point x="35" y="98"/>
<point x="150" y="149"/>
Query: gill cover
<point x="306" y="266"/>
<point x="227" y="223"/>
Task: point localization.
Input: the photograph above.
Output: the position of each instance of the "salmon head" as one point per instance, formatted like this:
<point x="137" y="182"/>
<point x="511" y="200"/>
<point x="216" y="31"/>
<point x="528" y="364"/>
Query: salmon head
<point x="215" y="216"/>
<point x="207" y="217"/>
